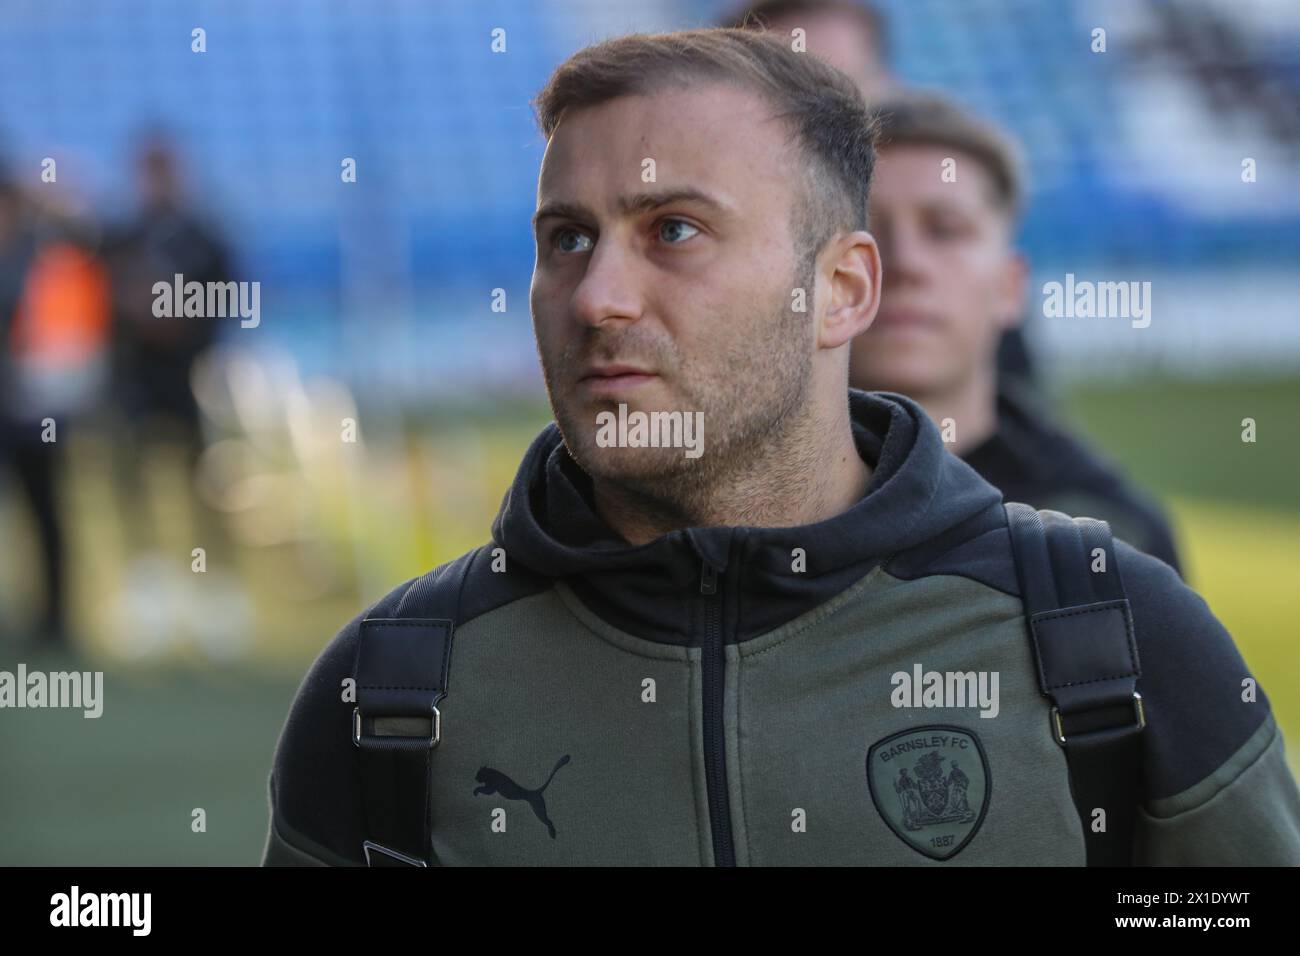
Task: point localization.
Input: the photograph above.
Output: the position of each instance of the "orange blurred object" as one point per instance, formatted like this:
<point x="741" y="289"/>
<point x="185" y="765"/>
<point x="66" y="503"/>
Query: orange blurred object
<point x="63" y="316"/>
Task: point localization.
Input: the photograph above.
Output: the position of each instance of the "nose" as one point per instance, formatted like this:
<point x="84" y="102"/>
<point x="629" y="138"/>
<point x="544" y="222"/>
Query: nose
<point x="609" y="291"/>
<point x="902" y="255"/>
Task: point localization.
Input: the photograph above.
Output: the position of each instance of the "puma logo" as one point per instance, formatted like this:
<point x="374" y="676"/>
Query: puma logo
<point x="494" y="781"/>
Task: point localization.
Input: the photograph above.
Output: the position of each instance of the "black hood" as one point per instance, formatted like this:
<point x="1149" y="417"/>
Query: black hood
<point x="917" y="493"/>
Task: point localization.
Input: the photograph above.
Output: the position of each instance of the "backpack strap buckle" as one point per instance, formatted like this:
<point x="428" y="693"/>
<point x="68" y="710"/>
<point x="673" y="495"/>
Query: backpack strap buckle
<point x="392" y="741"/>
<point x="1139" y="715"/>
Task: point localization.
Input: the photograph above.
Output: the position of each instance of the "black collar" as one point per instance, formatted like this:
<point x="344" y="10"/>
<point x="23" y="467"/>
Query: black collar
<point x="547" y="522"/>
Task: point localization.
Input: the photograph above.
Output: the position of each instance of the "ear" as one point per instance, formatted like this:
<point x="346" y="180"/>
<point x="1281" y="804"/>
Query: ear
<point x="1013" y="287"/>
<point x="854" y="261"/>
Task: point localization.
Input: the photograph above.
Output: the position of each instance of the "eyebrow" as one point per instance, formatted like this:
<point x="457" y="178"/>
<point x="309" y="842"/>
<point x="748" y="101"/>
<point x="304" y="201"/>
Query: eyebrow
<point x="942" y="205"/>
<point x="634" y="204"/>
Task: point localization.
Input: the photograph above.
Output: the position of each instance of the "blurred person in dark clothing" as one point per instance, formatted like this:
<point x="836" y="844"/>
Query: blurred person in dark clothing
<point x="153" y="356"/>
<point x="953" y="283"/>
<point x="853" y="36"/>
<point x="17" y="248"/>
<point x="30" y="462"/>
<point x="54" y="316"/>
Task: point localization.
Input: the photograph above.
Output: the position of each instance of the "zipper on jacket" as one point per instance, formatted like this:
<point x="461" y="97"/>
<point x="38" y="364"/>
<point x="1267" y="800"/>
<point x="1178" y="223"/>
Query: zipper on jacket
<point x="715" y="760"/>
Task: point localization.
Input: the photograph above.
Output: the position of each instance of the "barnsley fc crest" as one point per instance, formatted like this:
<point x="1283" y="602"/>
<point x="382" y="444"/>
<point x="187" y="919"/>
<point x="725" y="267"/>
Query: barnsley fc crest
<point x="932" y="786"/>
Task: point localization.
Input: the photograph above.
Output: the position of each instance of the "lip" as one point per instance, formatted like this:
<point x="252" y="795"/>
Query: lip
<point x="611" y="379"/>
<point x="613" y="370"/>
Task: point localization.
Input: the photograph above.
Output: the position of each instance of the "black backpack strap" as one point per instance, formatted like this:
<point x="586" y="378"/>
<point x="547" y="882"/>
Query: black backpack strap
<point x="402" y="665"/>
<point x="1081" y="629"/>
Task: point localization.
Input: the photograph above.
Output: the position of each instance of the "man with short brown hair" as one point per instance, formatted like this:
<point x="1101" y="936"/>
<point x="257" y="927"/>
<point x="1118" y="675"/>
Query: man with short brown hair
<point x="667" y="658"/>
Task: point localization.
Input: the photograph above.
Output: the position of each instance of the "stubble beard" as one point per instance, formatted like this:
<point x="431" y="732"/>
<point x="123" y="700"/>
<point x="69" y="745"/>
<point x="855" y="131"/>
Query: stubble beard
<point x="756" y="408"/>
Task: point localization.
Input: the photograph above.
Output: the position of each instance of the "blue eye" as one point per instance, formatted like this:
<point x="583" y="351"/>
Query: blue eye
<point x="681" y="225"/>
<point x="556" y="239"/>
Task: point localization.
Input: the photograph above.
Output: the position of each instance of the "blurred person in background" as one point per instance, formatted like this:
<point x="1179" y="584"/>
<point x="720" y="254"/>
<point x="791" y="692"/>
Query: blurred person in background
<point x="954" y="283"/>
<point x="54" y="318"/>
<point x="152" y="363"/>
<point x="1001" y="420"/>
<point x="154" y="357"/>
<point x="847" y="34"/>
<point x="853" y="36"/>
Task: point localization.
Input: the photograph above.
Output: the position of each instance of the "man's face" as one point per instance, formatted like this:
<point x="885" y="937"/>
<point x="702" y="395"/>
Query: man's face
<point x="952" y="281"/>
<point x="686" y="278"/>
